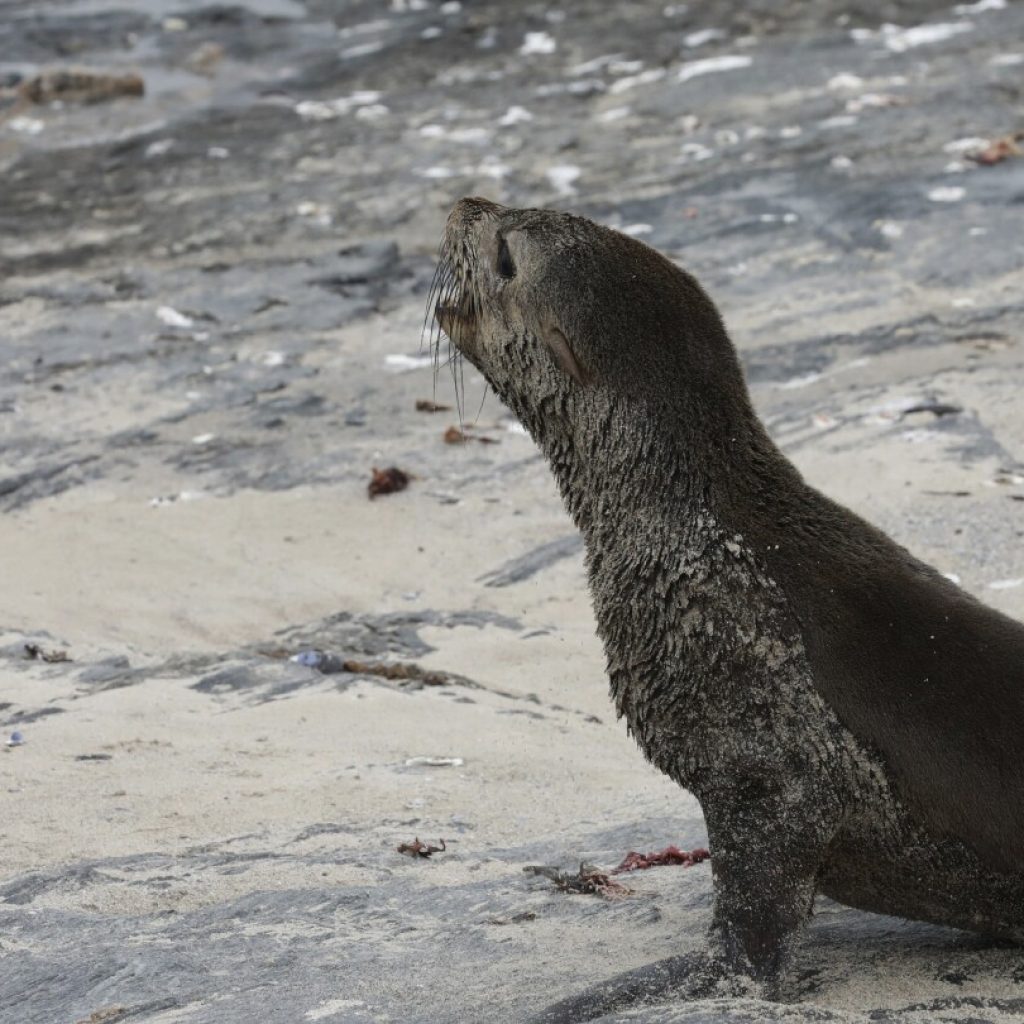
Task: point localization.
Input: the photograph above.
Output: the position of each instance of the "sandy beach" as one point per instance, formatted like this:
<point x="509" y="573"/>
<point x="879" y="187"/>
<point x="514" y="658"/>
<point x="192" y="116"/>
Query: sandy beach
<point x="211" y="303"/>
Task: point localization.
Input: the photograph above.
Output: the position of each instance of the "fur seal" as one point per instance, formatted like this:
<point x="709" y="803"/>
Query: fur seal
<point x="851" y="722"/>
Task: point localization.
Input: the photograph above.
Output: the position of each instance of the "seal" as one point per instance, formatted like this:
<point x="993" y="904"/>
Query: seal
<point x="851" y="722"/>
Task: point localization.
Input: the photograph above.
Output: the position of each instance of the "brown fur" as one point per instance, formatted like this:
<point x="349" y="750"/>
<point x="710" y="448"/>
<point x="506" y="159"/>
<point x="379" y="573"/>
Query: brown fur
<point x="819" y="690"/>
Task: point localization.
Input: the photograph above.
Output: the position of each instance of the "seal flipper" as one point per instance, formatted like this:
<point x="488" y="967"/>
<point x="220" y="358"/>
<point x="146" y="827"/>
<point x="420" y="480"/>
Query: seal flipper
<point x="696" y="975"/>
<point x="766" y="854"/>
<point x="563" y="355"/>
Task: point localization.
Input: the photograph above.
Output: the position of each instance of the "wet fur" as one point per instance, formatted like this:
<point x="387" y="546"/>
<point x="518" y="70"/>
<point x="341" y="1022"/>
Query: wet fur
<point x="850" y="721"/>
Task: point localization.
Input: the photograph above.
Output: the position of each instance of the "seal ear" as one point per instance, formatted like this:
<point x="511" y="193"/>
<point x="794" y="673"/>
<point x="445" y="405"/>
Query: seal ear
<point x="559" y="347"/>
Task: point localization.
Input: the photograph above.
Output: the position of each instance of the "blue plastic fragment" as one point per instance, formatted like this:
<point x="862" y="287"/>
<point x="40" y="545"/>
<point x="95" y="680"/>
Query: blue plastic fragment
<point x="328" y="664"/>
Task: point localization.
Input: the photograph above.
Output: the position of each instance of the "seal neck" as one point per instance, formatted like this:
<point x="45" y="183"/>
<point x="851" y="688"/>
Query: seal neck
<point x="628" y="460"/>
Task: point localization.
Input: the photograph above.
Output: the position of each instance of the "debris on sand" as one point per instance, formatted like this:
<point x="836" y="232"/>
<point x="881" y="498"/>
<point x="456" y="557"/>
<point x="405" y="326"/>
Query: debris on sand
<point x="434" y="762"/>
<point x="170" y="316"/>
<point x="108" y="1015"/>
<point x="588" y="881"/>
<point x="1009" y="584"/>
<point x="79" y="85"/>
<point x="203" y="60"/>
<point x="937" y="409"/>
<point x="592" y="881"/>
<point x="670" y="855"/>
<point x="998" y="150"/>
<point x="36" y="653"/>
<point x="26" y="125"/>
<point x="328" y="664"/>
<point x="428" y="405"/>
<point x="947" y="194"/>
<point x="402" y="671"/>
<point x="15" y="739"/>
<point x="396" y="671"/>
<point x="419" y="849"/>
<point x="387" y="481"/>
<point x="518" y="918"/>
<point x="453" y="435"/>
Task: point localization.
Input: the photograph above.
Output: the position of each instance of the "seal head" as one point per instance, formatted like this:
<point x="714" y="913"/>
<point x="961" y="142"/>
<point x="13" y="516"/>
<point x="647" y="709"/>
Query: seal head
<point x="554" y="309"/>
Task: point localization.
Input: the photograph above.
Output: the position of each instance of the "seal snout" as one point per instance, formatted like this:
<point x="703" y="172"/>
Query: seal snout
<point x="457" y="305"/>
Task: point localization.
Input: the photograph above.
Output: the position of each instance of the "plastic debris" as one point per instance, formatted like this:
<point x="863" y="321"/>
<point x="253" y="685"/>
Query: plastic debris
<point x="434" y="762"/>
<point x="327" y="664"/>
<point x="15" y="739"/>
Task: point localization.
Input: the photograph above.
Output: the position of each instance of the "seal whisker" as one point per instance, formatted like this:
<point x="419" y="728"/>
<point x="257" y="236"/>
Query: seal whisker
<point x="435" y="280"/>
<point x="483" y="398"/>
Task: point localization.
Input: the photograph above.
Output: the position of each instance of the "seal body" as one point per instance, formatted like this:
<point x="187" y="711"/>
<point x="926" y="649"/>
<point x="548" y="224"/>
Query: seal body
<point x="850" y="721"/>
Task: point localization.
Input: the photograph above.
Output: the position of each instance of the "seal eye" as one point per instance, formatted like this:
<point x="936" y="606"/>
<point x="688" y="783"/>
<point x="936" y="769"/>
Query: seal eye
<point x="505" y="267"/>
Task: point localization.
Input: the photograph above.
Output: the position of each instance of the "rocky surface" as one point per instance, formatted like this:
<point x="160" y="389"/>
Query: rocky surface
<point x="211" y="299"/>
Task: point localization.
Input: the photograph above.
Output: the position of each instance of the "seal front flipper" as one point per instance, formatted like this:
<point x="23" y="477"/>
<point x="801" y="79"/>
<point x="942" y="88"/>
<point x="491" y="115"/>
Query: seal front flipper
<point x="766" y="853"/>
<point x="767" y="844"/>
<point x="696" y="975"/>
